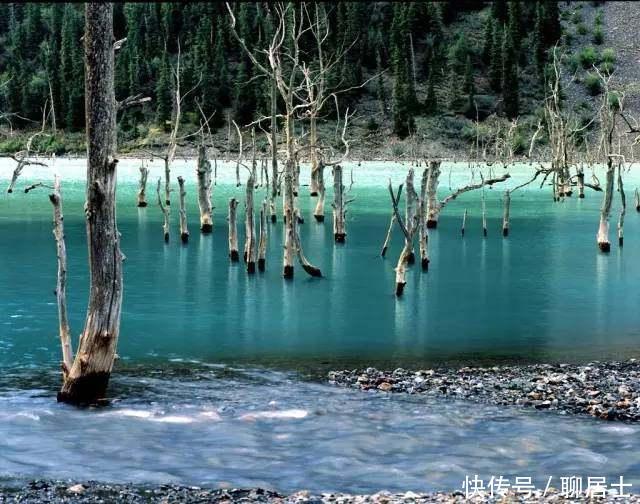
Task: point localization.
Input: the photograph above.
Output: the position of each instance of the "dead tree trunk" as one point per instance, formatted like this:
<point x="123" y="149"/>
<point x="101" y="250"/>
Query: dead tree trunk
<point x="203" y="173"/>
<point x="262" y="244"/>
<point x="605" y="209"/>
<point x="401" y="267"/>
<point x="464" y="222"/>
<point x="505" y="214"/>
<point x="315" y="165"/>
<point x="289" y="237"/>
<point x="433" y="205"/>
<point x="580" y="177"/>
<point x="339" y="230"/>
<point x="637" y="202"/>
<point x="423" y="234"/>
<point x="623" y="207"/>
<point x="167" y="181"/>
<point x="233" y="231"/>
<point x="142" y="196"/>
<point x="165" y="214"/>
<point x="387" y="240"/>
<point x="61" y="286"/>
<point x="318" y="212"/>
<point x="184" y="230"/>
<point x="274" y="154"/>
<point x="410" y="214"/>
<point x="250" y="233"/>
<point x="89" y="375"/>
<point x="484" y="216"/>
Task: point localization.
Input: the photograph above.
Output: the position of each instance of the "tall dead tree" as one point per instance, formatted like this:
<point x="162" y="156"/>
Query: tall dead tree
<point x="87" y="380"/>
<point x="262" y="243"/>
<point x="284" y="66"/>
<point x="423" y="233"/>
<point x="142" y="189"/>
<point x="250" y="249"/>
<point x="433" y="206"/>
<point x="203" y="174"/>
<point x="411" y="217"/>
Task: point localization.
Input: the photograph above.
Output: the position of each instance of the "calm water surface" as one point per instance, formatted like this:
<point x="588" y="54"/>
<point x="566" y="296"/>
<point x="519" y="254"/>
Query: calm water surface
<point x="207" y="387"/>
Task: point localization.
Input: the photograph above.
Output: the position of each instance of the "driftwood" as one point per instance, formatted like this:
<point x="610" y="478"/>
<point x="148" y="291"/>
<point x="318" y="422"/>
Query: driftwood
<point x="184" y="230"/>
<point x="142" y="190"/>
<point x="233" y="231"/>
<point x="203" y="173"/>
<point x="89" y="375"/>
<point x="165" y="213"/>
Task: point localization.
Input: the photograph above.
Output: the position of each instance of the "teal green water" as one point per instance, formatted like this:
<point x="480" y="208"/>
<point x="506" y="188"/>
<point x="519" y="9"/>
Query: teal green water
<point x="196" y="399"/>
<point x="545" y="292"/>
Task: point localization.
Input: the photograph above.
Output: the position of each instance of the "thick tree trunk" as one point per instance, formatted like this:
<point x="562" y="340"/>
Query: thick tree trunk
<point x="275" y="179"/>
<point x="318" y="212"/>
<point x="250" y="233"/>
<point x="165" y="214"/>
<point x="203" y="172"/>
<point x="339" y="229"/>
<point x="433" y="205"/>
<point x="505" y="214"/>
<point x="61" y="286"/>
<point x="605" y="210"/>
<point x="184" y="230"/>
<point x="142" y="190"/>
<point x="564" y="182"/>
<point x="89" y="375"/>
<point x="410" y="220"/>
<point x="289" y="224"/>
<point x="233" y="231"/>
<point x="401" y="273"/>
<point x="262" y="244"/>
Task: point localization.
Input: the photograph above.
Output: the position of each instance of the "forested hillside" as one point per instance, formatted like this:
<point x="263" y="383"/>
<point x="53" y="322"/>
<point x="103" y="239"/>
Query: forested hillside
<point x="424" y="65"/>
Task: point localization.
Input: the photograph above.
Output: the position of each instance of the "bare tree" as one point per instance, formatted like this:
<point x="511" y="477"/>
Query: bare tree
<point x="233" y="231"/>
<point x="203" y="173"/>
<point x="184" y="229"/>
<point x="88" y="377"/>
<point x="166" y="228"/>
<point x="142" y="190"/>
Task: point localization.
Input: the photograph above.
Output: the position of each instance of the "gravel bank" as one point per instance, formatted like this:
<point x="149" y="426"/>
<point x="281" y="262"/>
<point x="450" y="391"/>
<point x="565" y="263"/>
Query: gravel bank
<point x="91" y="492"/>
<point x="606" y="390"/>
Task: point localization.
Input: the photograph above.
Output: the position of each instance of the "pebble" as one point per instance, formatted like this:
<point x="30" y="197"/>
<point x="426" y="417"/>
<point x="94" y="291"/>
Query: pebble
<point x="605" y="390"/>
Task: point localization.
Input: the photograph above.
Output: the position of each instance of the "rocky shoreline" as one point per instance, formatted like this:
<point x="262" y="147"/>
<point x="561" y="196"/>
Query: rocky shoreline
<point x="605" y="390"/>
<point x="45" y="492"/>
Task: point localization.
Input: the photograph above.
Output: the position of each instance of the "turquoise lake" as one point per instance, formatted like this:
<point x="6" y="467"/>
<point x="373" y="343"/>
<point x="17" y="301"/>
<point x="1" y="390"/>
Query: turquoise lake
<point x="212" y="386"/>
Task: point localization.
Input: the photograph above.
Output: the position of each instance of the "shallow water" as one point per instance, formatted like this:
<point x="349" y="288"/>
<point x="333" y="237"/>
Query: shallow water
<point x="206" y="389"/>
<point x="217" y="426"/>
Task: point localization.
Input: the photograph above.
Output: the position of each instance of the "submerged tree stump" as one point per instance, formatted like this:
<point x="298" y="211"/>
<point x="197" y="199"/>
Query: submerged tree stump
<point x="262" y="243"/>
<point x="203" y="173"/>
<point x="602" y="237"/>
<point x="250" y="234"/>
<point x="505" y="214"/>
<point x="184" y="230"/>
<point x="433" y="205"/>
<point x="233" y="231"/>
<point x="165" y="213"/>
<point x="144" y="173"/>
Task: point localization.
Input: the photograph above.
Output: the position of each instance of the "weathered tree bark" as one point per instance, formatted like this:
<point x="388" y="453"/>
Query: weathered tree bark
<point x="423" y="234"/>
<point x="580" y="176"/>
<point x="274" y="153"/>
<point x="464" y="222"/>
<point x="401" y="267"/>
<point x="433" y="205"/>
<point x="233" y="231"/>
<point x="89" y="375"/>
<point x="605" y="209"/>
<point x="250" y="233"/>
<point x="142" y="190"/>
<point x="505" y="214"/>
<point x="318" y="212"/>
<point x="167" y="181"/>
<point x="309" y="268"/>
<point x="315" y="165"/>
<point x="165" y="214"/>
<point x="623" y="207"/>
<point x="289" y="224"/>
<point x="410" y="217"/>
<point x="339" y="229"/>
<point x="203" y="172"/>
<point x="262" y="244"/>
<point x="637" y="202"/>
<point x="61" y="286"/>
<point x="184" y="230"/>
